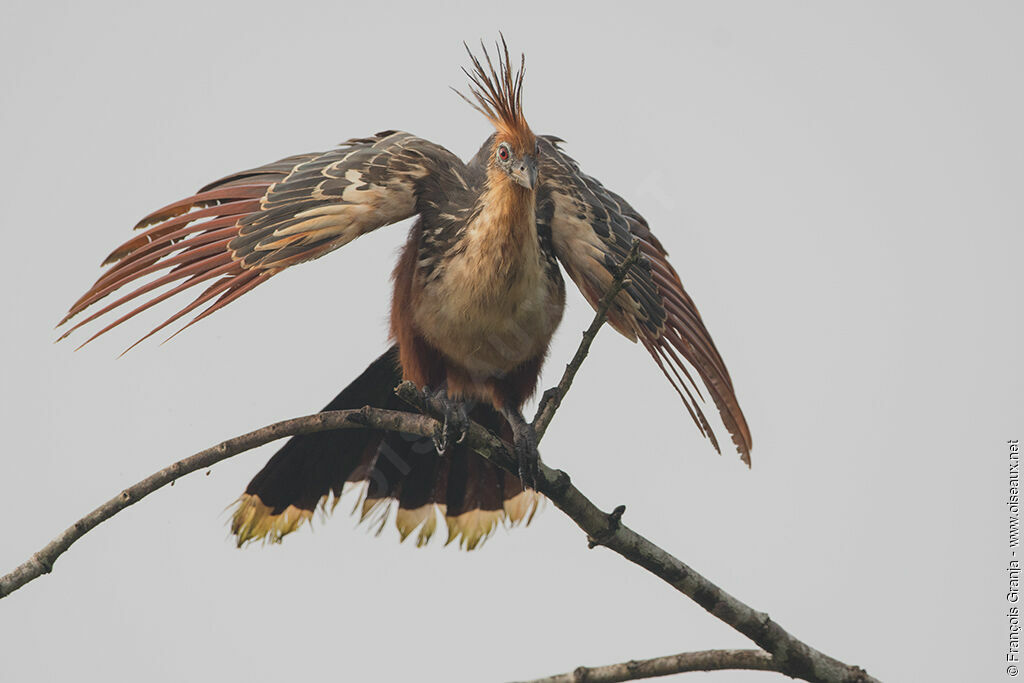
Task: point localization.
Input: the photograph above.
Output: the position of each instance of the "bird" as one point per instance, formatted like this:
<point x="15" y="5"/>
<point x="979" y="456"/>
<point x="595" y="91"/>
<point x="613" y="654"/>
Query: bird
<point x="478" y="293"/>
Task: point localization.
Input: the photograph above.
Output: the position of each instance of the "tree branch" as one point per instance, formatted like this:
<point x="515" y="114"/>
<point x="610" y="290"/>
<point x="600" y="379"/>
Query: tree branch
<point x="552" y="398"/>
<point x="685" y="662"/>
<point x="42" y="562"/>
<point x="792" y="656"/>
<point x="787" y="654"/>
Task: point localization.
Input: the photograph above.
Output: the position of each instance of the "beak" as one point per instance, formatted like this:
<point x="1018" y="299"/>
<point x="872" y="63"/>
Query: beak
<point x="525" y="172"/>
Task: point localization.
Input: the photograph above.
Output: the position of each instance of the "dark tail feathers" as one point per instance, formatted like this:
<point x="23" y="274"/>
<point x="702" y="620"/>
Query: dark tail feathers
<point x="313" y="470"/>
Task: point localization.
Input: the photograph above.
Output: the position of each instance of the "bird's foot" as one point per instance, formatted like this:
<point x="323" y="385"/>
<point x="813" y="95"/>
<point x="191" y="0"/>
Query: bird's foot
<point x="455" y="424"/>
<point x="527" y="455"/>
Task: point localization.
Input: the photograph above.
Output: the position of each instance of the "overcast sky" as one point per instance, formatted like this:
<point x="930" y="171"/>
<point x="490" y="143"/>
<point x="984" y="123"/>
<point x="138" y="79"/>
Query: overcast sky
<point x="838" y="186"/>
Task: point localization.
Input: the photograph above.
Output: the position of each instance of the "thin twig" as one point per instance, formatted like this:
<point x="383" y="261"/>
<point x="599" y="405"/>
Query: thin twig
<point x="552" y="398"/>
<point x="685" y="662"/>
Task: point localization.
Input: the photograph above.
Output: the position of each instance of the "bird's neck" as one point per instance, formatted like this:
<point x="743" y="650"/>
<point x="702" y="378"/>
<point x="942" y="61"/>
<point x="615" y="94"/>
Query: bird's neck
<point x="506" y="223"/>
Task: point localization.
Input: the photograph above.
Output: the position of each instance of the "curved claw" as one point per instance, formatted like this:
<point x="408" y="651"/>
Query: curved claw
<point x="455" y="425"/>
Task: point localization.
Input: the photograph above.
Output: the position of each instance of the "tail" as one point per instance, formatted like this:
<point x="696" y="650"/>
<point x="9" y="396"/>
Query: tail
<point x="471" y="494"/>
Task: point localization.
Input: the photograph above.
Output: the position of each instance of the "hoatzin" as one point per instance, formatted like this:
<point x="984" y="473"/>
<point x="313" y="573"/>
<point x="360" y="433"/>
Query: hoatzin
<point x="477" y="297"/>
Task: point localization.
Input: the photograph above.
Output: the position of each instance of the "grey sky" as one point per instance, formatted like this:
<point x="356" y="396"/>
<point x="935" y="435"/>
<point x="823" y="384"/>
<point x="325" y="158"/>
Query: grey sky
<point x="839" y="187"/>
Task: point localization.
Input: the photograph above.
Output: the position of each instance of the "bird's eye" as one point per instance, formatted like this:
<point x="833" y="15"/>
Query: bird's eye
<point x="503" y="153"/>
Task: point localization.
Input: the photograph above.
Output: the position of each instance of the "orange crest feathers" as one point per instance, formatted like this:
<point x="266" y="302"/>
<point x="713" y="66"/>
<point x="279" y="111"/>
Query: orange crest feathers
<point x="499" y="96"/>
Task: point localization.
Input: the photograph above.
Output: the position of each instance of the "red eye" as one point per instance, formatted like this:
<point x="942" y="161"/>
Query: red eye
<point x="503" y="153"/>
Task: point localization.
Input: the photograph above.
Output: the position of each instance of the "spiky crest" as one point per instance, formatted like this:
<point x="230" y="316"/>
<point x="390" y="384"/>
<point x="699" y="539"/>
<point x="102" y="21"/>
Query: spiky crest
<point x="499" y="95"/>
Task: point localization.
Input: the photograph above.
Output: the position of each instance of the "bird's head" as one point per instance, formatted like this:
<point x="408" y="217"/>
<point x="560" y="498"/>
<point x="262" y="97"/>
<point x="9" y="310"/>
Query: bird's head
<point x="499" y="97"/>
<point x="519" y="162"/>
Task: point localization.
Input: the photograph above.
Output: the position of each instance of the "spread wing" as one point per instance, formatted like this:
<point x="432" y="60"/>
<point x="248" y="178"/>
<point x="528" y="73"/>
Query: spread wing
<point x="592" y="230"/>
<point x="237" y="232"/>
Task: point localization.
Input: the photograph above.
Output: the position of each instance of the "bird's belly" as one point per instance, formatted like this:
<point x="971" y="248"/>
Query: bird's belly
<point x="490" y="323"/>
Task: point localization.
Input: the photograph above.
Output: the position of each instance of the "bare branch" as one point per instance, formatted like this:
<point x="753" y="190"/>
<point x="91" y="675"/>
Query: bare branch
<point x="786" y="654"/>
<point x="685" y="662"/>
<point x="792" y="656"/>
<point x="552" y="398"/>
<point x="789" y="655"/>
<point x="42" y="562"/>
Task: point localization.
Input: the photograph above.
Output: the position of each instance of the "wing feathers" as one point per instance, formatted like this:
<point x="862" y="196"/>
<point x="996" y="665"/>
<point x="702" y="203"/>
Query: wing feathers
<point x="202" y="271"/>
<point x="201" y="199"/>
<point x="249" y="225"/>
<point x="592" y="230"/>
<point x="240" y="230"/>
<point x="161" y="232"/>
